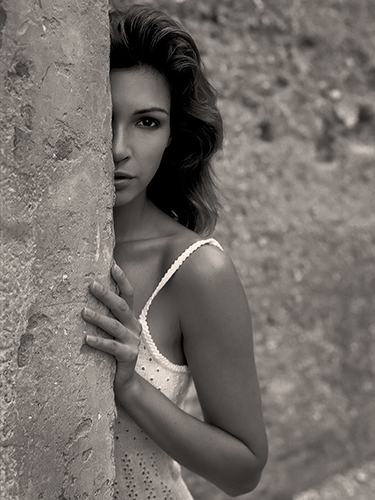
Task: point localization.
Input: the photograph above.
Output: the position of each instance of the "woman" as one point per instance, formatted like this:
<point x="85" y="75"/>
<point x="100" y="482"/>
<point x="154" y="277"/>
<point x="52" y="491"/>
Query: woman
<point x="181" y="312"/>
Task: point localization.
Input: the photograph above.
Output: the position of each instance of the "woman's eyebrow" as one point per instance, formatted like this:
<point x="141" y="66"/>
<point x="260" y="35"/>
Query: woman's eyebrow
<point x="150" y="110"/>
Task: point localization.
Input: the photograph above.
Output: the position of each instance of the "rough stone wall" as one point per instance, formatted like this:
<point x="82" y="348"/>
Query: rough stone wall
<point x="57" y="403"/>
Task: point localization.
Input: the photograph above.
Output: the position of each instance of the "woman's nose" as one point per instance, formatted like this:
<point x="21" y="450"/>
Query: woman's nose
<point x="120" y="144"/>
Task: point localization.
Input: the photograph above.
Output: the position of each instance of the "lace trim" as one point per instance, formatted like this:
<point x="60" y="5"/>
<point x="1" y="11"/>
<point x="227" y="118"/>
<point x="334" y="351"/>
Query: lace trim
<point x="143" y="316"/>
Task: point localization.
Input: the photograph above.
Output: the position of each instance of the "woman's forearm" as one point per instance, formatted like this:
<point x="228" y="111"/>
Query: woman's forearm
<point x="202" y="448"/>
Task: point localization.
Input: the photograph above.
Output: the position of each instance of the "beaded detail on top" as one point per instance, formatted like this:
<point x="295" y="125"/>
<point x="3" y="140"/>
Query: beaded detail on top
<point x="143" y="470"/>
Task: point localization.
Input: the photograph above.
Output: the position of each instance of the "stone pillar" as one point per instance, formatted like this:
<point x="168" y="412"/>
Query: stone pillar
<point x="57" y="405"/>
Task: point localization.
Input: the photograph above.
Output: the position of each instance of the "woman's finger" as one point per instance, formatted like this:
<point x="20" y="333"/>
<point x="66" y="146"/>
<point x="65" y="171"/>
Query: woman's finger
<point x="118" y="305"/>
<point x="125" y="288"/>
<point x="107" y="324"/>
<point x="122" y="352"/>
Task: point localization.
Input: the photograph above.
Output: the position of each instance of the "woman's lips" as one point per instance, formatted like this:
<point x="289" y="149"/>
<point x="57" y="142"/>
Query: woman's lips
<point x="122" y="180"/>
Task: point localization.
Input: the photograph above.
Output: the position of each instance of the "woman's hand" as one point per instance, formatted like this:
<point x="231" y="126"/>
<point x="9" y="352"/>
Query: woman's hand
<point x="124" y="327"/>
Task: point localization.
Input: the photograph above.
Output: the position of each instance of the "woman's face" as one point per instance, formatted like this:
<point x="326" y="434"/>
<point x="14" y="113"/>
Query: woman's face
<point x="141" y="105"/>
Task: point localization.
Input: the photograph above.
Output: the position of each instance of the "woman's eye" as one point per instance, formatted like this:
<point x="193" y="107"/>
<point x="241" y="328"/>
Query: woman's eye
<point x="148" y="122"/>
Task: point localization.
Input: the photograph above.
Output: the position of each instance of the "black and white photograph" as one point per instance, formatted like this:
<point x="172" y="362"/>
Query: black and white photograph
<point x="187" y="256"/>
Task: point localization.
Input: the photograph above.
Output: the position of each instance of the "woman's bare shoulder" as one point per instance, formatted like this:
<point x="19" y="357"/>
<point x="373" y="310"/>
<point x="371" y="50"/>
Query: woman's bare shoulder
<point x="203" y="263"/>
<point x="207" y="269"/>
<point x="208" y="259"/>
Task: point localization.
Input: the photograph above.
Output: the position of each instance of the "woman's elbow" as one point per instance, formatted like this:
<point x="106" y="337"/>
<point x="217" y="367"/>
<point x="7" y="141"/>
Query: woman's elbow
<point x="242" y="487"/>
<point x="247" y="481"/>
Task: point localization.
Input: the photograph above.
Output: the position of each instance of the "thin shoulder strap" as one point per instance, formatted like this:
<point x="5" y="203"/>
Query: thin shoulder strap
<point x="174" y="267"/>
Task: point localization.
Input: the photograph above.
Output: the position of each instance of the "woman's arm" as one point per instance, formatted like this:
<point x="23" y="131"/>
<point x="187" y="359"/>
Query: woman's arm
<point x="203" y="448"/>
<point x="230" y="447"/>
<point x="218" y="345"/>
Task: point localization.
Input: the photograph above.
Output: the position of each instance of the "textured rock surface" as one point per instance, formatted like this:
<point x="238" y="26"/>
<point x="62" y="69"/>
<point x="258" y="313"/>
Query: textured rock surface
<point x="56" y="400"/>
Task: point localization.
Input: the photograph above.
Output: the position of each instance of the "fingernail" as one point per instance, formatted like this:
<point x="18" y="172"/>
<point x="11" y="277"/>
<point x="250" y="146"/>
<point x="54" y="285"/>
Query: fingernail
<point x="90" y="339"/>
<point x="89" y="313"/>
<point x="116" y="268"/>
<point x="97" y="287"/>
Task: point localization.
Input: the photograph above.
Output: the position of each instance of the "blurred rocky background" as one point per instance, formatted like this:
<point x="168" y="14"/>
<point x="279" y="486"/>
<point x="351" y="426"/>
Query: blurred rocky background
<point x="296" y="80"/>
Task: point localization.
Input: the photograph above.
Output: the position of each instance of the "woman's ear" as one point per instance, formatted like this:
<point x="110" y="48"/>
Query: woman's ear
<point x="169" y="140"/>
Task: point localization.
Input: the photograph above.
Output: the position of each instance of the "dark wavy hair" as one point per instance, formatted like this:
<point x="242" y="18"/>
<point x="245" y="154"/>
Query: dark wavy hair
<point x="184" y="185"/>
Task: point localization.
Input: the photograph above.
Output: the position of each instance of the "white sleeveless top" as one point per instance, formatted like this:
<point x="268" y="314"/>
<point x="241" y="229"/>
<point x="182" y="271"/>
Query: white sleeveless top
<point x="143" y="470"/>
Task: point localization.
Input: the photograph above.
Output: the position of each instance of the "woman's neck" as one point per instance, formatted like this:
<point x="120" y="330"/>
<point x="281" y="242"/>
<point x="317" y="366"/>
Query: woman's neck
<point x="143" y="221"/>
<point x="130" y="219"/>
<point x="140" y="220"/>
